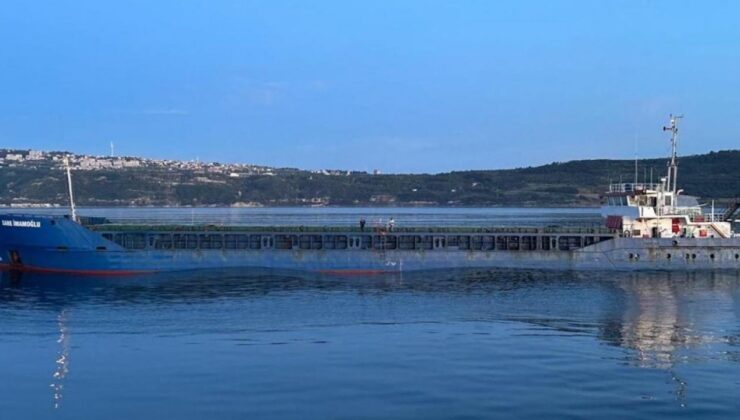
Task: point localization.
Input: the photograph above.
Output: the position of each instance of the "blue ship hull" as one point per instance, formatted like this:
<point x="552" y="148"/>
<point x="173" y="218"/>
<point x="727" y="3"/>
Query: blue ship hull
<point x="57" y="244"/>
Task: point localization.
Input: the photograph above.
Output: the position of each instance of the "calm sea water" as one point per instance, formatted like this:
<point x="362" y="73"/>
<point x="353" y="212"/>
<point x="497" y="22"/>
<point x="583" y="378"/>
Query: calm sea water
<point x="445" y="344"/>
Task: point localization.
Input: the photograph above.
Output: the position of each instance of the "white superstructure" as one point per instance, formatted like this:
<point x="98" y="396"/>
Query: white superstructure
<point x="658" y="210"/>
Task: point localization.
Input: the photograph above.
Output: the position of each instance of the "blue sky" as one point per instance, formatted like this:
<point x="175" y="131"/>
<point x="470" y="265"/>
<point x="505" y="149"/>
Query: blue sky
<point x="401" y="86"/>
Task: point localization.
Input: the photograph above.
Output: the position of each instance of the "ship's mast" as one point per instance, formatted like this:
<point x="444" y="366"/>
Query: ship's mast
<point x="673" y="164"/>
<point x="69" y="183"/>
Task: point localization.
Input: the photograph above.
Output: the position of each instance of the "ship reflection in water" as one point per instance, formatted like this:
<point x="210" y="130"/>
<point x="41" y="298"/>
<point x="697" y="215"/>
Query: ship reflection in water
<point x="62" y="362"/>
<point x="670" y="319"/>
<point x="276" y="344"/>
<point x="660" y="320"/>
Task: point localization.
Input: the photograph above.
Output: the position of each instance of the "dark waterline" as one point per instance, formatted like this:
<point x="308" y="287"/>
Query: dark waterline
<point x="445" y="344"/>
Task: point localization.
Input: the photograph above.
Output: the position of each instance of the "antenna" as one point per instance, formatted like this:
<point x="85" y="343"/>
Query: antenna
<point x="69" y="183"/>
<point x="673" y="164"/>
<point x="636" y="180"/>
<point x="112" y="149"/>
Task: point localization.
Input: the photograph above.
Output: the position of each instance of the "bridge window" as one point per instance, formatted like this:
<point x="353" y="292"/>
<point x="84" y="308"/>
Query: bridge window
<point x="617" y="201"/>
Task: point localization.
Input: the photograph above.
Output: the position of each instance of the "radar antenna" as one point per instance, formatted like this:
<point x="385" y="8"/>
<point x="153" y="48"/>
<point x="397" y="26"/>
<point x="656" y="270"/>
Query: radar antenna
<point x="673" y="164"/>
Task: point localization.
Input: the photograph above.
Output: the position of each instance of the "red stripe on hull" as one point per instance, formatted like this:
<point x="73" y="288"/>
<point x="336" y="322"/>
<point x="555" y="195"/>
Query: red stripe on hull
<point x="32" y="269"/>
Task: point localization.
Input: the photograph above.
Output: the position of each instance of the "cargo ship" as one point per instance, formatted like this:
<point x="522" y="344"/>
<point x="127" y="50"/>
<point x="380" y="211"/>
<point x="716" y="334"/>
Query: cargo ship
<point x="647" y="226"/>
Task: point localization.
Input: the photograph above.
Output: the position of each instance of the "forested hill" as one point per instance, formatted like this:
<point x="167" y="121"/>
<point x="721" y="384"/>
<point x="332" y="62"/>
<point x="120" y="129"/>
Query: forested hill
<point x="714" y="175"/>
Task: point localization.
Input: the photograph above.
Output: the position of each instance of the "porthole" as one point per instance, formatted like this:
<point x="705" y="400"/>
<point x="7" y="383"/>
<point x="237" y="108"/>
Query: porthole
<point x="693" y="256"/>
<point x="632" y="256"/>
<point x="688" y="256"/>
<point x="711" y="256"/>
<point x="737" y="256"/>
<point x="668" y="256"/>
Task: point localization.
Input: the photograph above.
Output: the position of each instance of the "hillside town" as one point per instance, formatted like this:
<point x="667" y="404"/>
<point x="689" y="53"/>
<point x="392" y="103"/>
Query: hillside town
<point x="29" y="158"/>
<point x="55" y="160"/>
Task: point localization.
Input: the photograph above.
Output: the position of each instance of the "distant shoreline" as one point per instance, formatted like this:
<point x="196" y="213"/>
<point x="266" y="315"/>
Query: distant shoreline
<point x="37" y="179"/>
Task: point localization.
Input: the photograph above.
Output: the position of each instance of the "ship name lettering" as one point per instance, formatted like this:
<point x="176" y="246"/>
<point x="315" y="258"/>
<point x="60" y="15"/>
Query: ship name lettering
<point x="22" y="223"/>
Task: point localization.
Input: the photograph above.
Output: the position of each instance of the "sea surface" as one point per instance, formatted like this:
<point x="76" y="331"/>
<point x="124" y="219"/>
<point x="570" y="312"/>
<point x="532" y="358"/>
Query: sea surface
<point x="435" y="345"/>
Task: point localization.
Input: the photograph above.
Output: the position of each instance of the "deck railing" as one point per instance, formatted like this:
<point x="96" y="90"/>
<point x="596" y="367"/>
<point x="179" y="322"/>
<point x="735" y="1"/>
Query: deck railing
<point x="347" y="229"/>
<point x="632" y="187"/>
